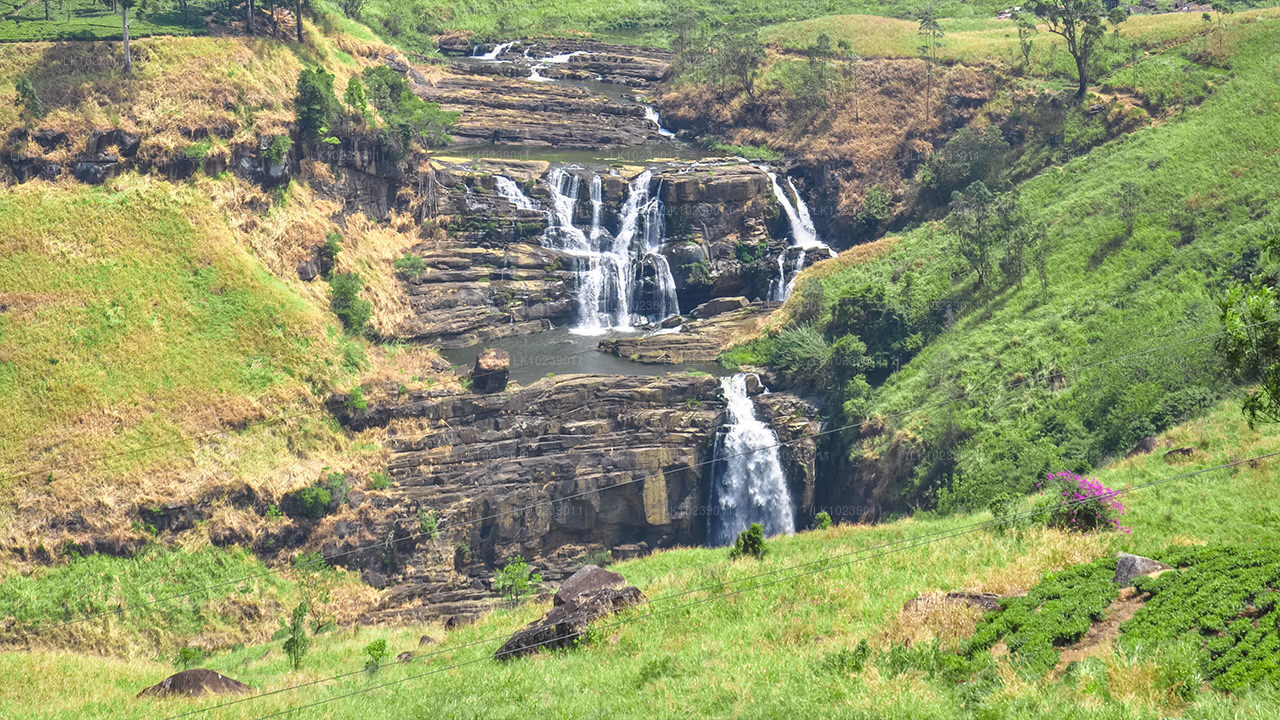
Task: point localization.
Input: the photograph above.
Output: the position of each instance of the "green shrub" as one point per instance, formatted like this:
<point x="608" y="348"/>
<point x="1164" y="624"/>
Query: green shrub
<point x="822" y="520"/>
<point x="354" y="96"/>
<point x="377" y="654"/>
<point x="516" y="580"/>
<point x="428" y="523"/>
<point x="801" y="356"/>
<point x="1003" y="508"/>
<point x="409" y="266"/>
<point x="750" y="542"/>
<point x="602" y="558"/>
<point x="189" y="657"/>
<point x="296" y="641"/>
<point x="344" y="298"/>
<point x="197" y="150"/>
<point x="747" y="253"/>
<point x="356" y="400"/>
<point x="332" y="245"/>
<point x="278" y="149"/>
<point x="29" y="99"/>
<point x="846" y="661"/>
<point x="379" y="480"/>
<point x="313" y="501"/>
<point x="409" y="116"/>
<point x="315" y="104"/>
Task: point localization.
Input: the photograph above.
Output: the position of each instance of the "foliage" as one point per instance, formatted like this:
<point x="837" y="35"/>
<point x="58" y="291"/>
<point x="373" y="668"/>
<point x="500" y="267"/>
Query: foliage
<point x="409" y="116"/>
<point x="278" y="149"/>
<point x="747" y="253"/>
<point x="1086" y="504"/>
<point x="354" y="97"/>
<point x="188" y="657"/>
<point x="356" y="400"/>
<point x="1224" y="600"/>
<point x="377" y="654"/>
<point x="319" y="498"/>
<point x="516" y="580"/>
<point x="332" y="245"/>
<point x="1056" y="612"/>
<point x="28" y="99"/>
<point x="802" y="356"/>
<point x="969" y="156"/>
<point x="345" y="300"/>
<point x="409" y="265"/>
<point x="750" y="542"/>
<point x="379" y="480"/>
<point x="296" y="643"/>
<point x="1081" y="23"/>
<point x="316" y="106"/>
<point x="428" y="523"/>
<point x="1250" y="344"/>
<point x="822" y="520"/>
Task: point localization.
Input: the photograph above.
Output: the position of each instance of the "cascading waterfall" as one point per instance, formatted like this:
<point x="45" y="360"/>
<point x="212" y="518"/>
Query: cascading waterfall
<point x="748" y="484"/>
<point x="651" y="114"/>
<point x="608" y="267"/>
<point x="494" y="53"/>
<point x="804" y="237"/>
<point x="509" y="190"/>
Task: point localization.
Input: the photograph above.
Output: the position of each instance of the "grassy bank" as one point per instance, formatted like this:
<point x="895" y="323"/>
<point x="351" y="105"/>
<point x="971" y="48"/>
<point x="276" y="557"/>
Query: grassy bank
<point x="784" y="648"/>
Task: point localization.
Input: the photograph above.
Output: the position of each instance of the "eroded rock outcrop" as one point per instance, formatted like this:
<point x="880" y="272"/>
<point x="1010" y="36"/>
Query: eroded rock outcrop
<point x="589" y="595"/>
<point x="197" y="682"/>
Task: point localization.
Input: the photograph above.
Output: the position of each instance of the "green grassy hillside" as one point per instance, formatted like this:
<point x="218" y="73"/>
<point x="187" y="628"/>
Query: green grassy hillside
<point x="1199" y="187"/>
<point x="789" y="648"/>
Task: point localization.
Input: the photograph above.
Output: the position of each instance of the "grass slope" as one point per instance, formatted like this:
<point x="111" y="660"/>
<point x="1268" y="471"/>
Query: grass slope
<point x="1205" y="180"/>
<point x="781" y="649"/>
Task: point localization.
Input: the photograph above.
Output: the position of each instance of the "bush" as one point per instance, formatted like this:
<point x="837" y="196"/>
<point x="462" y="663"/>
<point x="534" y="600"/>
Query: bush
<point x="377" y="653"/>
<point x="315" y="105"/>
<point x="428" y="523"/>
<point x="749" y="542"/>
<point x="516" y="580"/>
<point x="356" y="400"/>
<point x="296" y="642"/>
<point x="404" y="112"/>
<point x="354" y="97"/>
<point x="189" y="657"/>
<point x="801" y="355"/>
<point x="29" y="99"/>
<point x="379" y="481"/>
<point x="1086" y="504"/>
<point x="278" y="149"/>
<point x="600" y="559"/>
<point x="1003" y="507"/>
<point x="351" y="309"/>
<point x="313" y="501"/>
<point x="332" y="246"/>
<point x="409" y="266"/>
<point x="822" y="520"/>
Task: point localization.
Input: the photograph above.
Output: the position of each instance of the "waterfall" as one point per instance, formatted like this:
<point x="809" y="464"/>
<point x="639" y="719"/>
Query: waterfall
<point x="609" y="268"/>
<point x="804" y="237"/>
<point x="748" y="484"/>
<point x="651" y="114"/>
<point x="509" y="190"/>
<point x="492" y="54"/>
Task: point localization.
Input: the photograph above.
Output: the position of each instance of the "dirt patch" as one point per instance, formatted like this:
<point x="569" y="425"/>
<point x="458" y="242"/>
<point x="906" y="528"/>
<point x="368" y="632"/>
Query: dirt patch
<point x="1101" y="637"/>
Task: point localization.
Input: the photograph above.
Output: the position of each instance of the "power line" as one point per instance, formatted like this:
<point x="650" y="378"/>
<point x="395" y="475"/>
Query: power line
<point x="886" y="549"/>
<point x="551" y="501"/>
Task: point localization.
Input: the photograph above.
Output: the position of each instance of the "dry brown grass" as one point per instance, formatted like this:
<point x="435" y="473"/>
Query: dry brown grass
<point x="1047" y="550"/>
<point x="932" y="617"/>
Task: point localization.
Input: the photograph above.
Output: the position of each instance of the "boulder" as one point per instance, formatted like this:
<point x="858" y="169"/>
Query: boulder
<point x="404" y="657"/>
<point x="982" y="601"/>
<point x="716" y="306"/>
<point x="589" y="579"/>
<point x="565" y="623"/>
<point x="491" y="371"/>
<point x="1129" y="567"/>
<point x="196" y="683"/>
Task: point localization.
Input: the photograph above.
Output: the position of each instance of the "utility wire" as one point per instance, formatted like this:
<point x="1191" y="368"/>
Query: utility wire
<point x="883" y="550"/>
<point x="551" y="501"/>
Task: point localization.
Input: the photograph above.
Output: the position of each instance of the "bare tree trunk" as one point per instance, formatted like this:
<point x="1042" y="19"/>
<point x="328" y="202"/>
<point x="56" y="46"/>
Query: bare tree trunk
<point x="249" y="15"/>
<point x="46" y="10"/>
<point x="1082" y="73"/>
<point x="297" y="17"/>
<point x="124" y="22"/>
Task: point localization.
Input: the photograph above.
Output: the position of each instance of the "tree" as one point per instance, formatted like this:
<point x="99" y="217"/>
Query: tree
<point x="296" y="641"/>
<point x="352" y="8"/>
<point x="740" y="54"/>
<point x="981" y="221"/>
<point x="750" y="542"/>
<point x="29" y="100"/>
<point x="124" y="6"/>
<point x="848" y="69"/>
<point x="315" y="105"/>
<point x="297" y="18"/>
<point x="1129" y="199"/>
<point x="516" y="580"/>
<point x="1026" y="29"/>
<point x="1081" y="23"/>
<point x="931" y="31"/>
<point x="1250" y="343"/>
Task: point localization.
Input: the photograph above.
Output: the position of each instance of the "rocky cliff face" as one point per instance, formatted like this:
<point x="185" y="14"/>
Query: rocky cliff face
<point x="565" y="467"/>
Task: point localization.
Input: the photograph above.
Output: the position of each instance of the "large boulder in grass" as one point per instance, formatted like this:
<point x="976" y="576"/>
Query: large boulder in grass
<point x="491" y="371"/>
<point x="196" y="683"/>
<point x="588" y="595"/>
<point x="588" y="579"/>
<point x="1129" y="567"/>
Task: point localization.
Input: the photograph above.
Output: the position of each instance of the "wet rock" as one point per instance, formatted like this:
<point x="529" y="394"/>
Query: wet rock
<point x="1129" y="567"/>
<point x="491" y="371"/>
<point x="196" y="683"/>
<point x="697" y="341"/>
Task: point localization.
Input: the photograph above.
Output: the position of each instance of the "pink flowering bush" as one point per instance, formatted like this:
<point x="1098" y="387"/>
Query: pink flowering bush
<point x="1082" y="503"/>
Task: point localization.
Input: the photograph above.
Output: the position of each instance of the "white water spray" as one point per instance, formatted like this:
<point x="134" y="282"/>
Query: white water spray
<point x="804" y="237"/>
<point x="509" y="190"/>
<point x="748" y="484"/>
<point x="492" y="54"/>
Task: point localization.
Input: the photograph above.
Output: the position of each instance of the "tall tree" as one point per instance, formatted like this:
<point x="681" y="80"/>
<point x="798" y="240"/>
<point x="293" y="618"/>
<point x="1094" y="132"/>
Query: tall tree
<point x="1081" y="23"/>
<point x="124" y="6"/>
<point x="297" y="17"/>
<point x="1026" y="29"/>
<point x="931" y="31"/>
